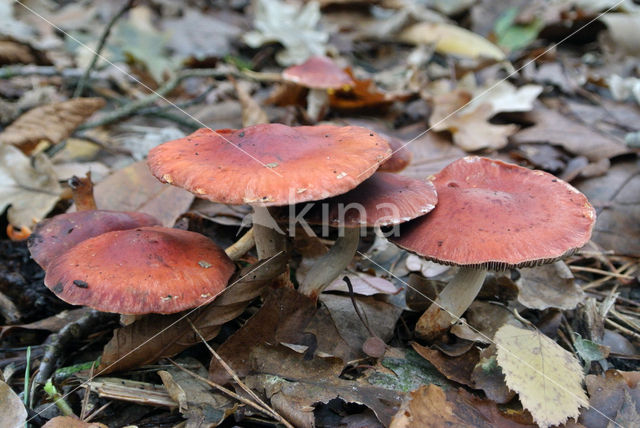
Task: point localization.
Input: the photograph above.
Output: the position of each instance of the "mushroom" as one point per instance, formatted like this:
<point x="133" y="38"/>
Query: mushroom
<point x="54" y="236"/>
<point x="299" y="164"/>
<point x="384" y="199"/>
<point x="320" y="75"/>
<point x="493" y="215"/>
<point x="400" y="157"/>
<point x="139" y="271"/>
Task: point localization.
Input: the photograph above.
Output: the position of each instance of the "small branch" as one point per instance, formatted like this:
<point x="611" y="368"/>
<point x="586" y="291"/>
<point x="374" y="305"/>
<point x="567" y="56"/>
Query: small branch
<point x="57" y="343"/>
<point x="105" y="34"/>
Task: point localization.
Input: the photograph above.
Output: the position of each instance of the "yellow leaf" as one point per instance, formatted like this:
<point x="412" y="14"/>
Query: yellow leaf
<point x="547" y="377"/>
<point x="449" y="39"/>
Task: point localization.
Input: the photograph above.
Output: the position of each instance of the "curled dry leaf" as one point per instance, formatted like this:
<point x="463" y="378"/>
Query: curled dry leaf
<point x="452" y="40"/>
<point x="457" y="369"/>
<point x="547" y="378"/>
<point x="52" y="123"/>
<point x="32" y="189"/>
<point x="609" y="395"/>
<point x="156" y="336"/>
<point x="549" y="286"/>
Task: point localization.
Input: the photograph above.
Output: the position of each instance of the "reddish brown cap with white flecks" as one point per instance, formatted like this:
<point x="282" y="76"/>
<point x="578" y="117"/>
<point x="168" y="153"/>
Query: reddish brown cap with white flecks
<point x="497" y="215"/>
<point x="270" y="164"/>
<point x="400" y="157"/>
<point x="382" y="200"/>
<point x="55" y="235"/>
<point x="318" y="72"/>
<point x="139" y="271"/>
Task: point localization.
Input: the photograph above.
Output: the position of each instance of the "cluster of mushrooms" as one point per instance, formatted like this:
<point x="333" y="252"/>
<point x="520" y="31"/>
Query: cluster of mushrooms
<point x="477" y="213"/>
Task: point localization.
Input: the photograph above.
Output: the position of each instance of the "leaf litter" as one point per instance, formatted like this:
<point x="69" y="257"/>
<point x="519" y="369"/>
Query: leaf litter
<point x="570" y="109"/>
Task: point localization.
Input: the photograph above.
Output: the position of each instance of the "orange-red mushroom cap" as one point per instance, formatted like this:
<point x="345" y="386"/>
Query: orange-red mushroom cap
<point x="55" y="235"/>
<point x="139" y="271"/>
<point x="318" y="73"/>
<point x="381" y="200"/>
<point x="497" y="215"/>
<point x="299" y="164"/>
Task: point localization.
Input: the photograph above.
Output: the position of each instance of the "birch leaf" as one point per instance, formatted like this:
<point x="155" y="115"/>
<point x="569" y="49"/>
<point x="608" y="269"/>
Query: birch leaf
<point x="547" y="377"/>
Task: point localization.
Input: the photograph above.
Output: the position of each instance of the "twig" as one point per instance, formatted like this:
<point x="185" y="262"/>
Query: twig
<point x="223" y="389"/>
<point x="56" y="343"/>
<point x="185" y="122"/>
<point x="235" y="377"/>
<point x="134" y="106"/>
<point x="96" y="54"/>
<point x="599" y="271"/>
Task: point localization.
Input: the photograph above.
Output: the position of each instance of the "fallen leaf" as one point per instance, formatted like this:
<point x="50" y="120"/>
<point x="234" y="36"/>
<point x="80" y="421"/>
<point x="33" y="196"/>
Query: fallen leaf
<point x="364" y="284"/>
<point x="203" y="406"/>
<point x="483" y="319"/>
<point x="547" y="378"/>
<point x="623" y="29"/>
<point x="138" y="140"/>
<point x="503" y="96"/>
<point x="549" y="286"/>
<point x="53" y="323"/>
<point x="471" y="130"/>
<point x="252" y="113"/>
<point x="428" y="407"/>
<point x="71" y="422"/>
<point x="52" y="123"/>
<point x="617" y="202"/>
<point x="512" y="34"/>
<point x="292" y="26"/>
<point x="457" y="369"/>
<point x="133" y="188"/>
<point x="608" y="396"/>
<point x="12" y="410"/>
<point x="15" y="53"/>
<point x="488" y="376"/>
<point x="554" y="128"/>
<point x="156" y="336"/>
<point x="30" y="191"/>
<point x="200" y="36"/>
<point x="450" y="39"/>
<point x="12" y="27"/>
<point x="589" y="351"/>
<point x="363" y="94"/>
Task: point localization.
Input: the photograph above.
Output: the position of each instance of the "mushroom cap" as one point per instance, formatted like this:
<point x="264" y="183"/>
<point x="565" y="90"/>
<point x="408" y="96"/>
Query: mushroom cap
<point x="318" y="72"/>
<point x="497" y="215"/>
<point x="139" y="271"/>
<point x="381" y="200"/>
<point x="55" y="235"/>
<point x="304" y="163"/>
<point x="400" y="155"/>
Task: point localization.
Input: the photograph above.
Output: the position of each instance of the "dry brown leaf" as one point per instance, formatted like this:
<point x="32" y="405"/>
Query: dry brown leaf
<point x="608" y="396"/>
<point x="29" y="186"/>
<point x="579" y="139"/>
<point x="549" y="286"/>
<point x="547" y="378"/>
<point x="52" y="123"/>
<point x="487" y="376"/>
<point x="457" y="369"/>
<point x="71" y="422"/>
<point x="616" y="197"/>
<point x="252" y="113"/>
<point x="12" y="410"/>
<point x="156" y="336"/>
<point x="363" y="94"/>
<point x="134" y="189"/>
<point x="15" y="53"/>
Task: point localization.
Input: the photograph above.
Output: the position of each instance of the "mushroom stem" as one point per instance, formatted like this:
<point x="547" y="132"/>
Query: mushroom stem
<point x="317" y="102"/>
<point x="331" y="265"/>
<point x="451" y="303"/>
<point x="269" y="238"/>
<point x="241" y="246"/>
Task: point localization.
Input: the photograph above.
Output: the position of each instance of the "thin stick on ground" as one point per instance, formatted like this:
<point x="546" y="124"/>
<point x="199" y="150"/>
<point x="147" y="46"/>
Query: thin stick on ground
<point x="235" y="377"/>
<point x="224" y="390"/>
<point x="96" y="54"/>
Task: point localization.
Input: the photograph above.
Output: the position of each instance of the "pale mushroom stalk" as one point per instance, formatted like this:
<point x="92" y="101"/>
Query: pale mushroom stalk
<point x="268" y="240"/>
<point x="317" y="102"/>
<point x="332" y="264"/>
<point x="454" y="300"/>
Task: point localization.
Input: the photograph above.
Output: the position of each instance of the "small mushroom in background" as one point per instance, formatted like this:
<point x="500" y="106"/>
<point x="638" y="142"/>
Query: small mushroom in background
<point x="384" y="199"/>
<point x="269" y="165"/>
<point x="54" y="236"/>
<point x="493" y="215"/>
<point x="139" y="271"/>
<point x="320" y="75"/>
